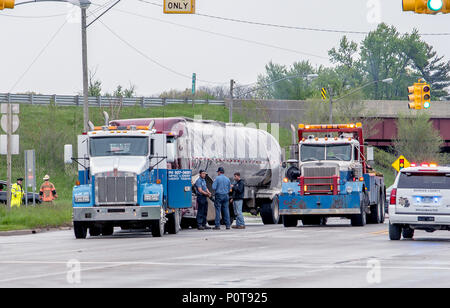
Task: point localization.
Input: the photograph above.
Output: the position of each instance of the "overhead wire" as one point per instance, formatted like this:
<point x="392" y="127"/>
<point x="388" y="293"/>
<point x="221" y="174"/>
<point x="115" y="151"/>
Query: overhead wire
<point x="223" y="35"/>
<point x="152" y="60"/>
<point x="39" y="55"/>
<point x="340" y="31"/>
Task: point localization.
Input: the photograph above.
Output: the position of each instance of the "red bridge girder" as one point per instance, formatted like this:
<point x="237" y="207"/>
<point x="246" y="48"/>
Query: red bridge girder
<point x="386" y="131"/>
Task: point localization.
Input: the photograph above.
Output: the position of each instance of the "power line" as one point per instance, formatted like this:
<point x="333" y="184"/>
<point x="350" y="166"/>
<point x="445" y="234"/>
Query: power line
<point x="224" y="35"/>
<point x="153" y="60"/>
<point x="289" y="27"/>
<point x="38" y="56"/>
<point x="34" y="17"/>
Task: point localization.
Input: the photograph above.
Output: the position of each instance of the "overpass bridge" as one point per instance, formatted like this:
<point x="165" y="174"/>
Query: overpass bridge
<point x="385" y="113"/>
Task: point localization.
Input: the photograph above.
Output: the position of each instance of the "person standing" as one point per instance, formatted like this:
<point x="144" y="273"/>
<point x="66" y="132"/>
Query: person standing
<point x="17" y="193"/>
<point x="47" y="193"/>
<point x="222" y="187"/>
<point x="202" y="201"/>
<point x="238" y="200"/>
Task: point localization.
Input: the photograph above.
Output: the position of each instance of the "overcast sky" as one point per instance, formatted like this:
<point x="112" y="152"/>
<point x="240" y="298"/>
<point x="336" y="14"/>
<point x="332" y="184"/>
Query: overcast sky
<point x="214" y="58"/>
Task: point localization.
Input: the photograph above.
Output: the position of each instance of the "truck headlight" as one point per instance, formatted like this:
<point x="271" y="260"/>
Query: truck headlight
<point x="151" y="197"/>
<point x="82" y="198"/>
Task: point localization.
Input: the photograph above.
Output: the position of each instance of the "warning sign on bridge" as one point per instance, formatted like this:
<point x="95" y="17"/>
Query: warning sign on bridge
<point x="179" y="6"/>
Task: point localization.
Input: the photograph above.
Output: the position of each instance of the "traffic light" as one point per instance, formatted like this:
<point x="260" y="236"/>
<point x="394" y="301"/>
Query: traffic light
<point x="6" y="4"/>
<point x="427" y="6"/>
<point x="426" y="96"/>
<point x="419" y="95"/>
<point x="415" y="97"/>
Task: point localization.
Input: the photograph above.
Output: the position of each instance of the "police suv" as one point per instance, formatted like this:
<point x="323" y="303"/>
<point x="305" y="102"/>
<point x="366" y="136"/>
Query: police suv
<point x="420" y="200"/>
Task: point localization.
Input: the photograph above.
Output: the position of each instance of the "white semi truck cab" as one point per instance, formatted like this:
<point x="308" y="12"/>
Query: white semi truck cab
<point x="124" y="181"/>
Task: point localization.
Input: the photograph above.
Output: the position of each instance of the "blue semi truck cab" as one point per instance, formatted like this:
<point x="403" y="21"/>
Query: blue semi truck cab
<point x="124" y="181"/>
<point x="329" y="177"/>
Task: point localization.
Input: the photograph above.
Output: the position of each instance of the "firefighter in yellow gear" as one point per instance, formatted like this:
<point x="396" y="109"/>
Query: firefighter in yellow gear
<point x="47" y="193"/>
<point x="17" y="193"/>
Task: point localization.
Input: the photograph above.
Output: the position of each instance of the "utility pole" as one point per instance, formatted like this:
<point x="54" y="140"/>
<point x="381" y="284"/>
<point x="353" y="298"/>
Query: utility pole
<point x="8" y="153"/>
<point x="85" y="69"/>
<point x="230" y="117"/>
<point x="330" y="91"/>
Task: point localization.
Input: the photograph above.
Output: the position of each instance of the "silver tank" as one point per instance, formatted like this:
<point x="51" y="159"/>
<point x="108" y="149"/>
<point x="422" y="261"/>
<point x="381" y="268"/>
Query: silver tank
<point x="208" y="145"/>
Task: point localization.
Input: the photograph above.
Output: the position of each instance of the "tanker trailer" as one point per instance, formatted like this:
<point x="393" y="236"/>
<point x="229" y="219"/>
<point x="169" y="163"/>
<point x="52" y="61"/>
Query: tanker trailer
<point x="207" y="145"/>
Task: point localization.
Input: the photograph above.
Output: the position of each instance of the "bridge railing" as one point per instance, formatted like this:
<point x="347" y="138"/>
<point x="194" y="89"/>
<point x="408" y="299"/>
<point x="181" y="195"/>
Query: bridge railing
<point x="99" y="101"/>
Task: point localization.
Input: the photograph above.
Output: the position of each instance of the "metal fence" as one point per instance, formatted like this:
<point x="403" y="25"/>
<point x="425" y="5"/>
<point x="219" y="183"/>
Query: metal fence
<point x="67" y="100"/>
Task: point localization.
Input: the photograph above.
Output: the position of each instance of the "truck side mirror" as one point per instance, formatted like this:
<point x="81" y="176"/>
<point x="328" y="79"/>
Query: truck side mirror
<point x="68" y="154"/>
<point x="370" y="154"/>
<point x="171" y="150"/>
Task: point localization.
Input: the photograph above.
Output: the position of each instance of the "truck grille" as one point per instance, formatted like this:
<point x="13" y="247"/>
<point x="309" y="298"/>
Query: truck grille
<point x="116" y="190"/>
<point x="319" y="179"/>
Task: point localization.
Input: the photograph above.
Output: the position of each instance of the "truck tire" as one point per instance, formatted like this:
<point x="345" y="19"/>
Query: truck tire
<point x="158" y="228"/>
<point x="408" y="233"/>
<point x="80" y="230"/>
<point x="174" y="223"/>
<point x="107" y="230"/>
<point x="376" y="215"/>
<point x="290" y="221"/>
<point x="94" y="231"/>
<point x="395" y="232"/>
<point x="270" y="212"/>
<point x="360" y="220"/>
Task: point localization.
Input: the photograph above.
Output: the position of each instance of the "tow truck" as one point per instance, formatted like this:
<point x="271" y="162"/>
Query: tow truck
<point x="329" y="176"/>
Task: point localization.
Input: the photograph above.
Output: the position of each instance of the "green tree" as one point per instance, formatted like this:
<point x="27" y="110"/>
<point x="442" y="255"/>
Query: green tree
<point x="417" y="139"/>
<point x="281" y="82"/>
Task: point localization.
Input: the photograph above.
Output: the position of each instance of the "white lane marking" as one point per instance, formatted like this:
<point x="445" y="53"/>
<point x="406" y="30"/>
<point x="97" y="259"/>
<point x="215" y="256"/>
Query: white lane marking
<point x="57" y="273"/>
<point x="288" y="266"/>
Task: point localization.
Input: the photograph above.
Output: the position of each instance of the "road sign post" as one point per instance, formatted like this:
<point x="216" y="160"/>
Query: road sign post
<point x="30" y="174"/>
<point x="9" y="143"/>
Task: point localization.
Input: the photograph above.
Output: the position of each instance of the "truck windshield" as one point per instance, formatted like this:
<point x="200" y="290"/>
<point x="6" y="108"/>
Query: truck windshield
<point x="111" y="146"/>
<point x="421" y="180"/>
<point x="340" y="152"/>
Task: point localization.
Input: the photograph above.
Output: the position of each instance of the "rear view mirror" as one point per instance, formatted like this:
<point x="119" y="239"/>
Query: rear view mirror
<point x="370" y="154"/>
<point x="171" y="152"/>
<point x="68" y="154"/>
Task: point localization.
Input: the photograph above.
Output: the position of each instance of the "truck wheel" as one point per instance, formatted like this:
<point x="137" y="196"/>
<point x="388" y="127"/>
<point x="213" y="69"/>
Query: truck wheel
<point x="80" y="230"/>
<point x="270" y="212"/>
<point x="376" y="215"/>
<point x="395" y="232"/>
<point x="360" y="220"/>
<point x="408" y="233"/>
<point x="94" y="231"/>
<point x="290" y="221"/>
<point x="158" y="228"/>
<point x="173" y="224"/>
<point x="382" y="208"/>
<point x="107" y="230"/>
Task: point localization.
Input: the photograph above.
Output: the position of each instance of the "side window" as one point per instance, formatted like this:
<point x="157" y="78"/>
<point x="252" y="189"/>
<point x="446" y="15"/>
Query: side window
<point x="356" y="153"/>
<point x="152" y="148"/>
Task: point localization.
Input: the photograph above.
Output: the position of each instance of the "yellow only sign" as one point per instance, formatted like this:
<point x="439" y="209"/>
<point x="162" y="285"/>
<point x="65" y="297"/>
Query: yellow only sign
<point x="179" y="6"/>
<point x="401" y="163"/>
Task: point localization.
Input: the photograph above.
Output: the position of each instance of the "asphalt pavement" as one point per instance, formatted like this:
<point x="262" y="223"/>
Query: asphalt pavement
<point x="336" y="255"/>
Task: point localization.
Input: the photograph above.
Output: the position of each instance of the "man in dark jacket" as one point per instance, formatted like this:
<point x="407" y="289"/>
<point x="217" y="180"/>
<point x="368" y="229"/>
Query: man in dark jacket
<point x="238" y="200"/>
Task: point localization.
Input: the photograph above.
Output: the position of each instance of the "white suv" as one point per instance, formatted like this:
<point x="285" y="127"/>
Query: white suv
<point x="420" y="200"/>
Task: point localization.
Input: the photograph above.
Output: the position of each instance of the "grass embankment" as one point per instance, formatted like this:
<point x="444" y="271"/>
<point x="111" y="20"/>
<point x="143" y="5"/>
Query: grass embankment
<point x="42" y="216"/>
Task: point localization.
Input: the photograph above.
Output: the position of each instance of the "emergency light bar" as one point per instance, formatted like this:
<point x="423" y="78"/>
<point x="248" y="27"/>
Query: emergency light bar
<point x="330" y="126"/>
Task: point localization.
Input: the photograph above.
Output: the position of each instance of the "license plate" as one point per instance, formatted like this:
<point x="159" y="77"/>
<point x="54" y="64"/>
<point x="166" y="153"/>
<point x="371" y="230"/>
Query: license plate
<point x="427" y="200"/>
<point x="425" y="218"/>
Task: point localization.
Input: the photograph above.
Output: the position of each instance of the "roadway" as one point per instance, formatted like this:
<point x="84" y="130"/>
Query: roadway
<point x="260" y="256"/>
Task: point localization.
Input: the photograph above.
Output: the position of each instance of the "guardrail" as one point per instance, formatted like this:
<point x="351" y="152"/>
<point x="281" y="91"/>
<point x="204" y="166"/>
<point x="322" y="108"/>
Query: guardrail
<point x="67" y="100"/>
